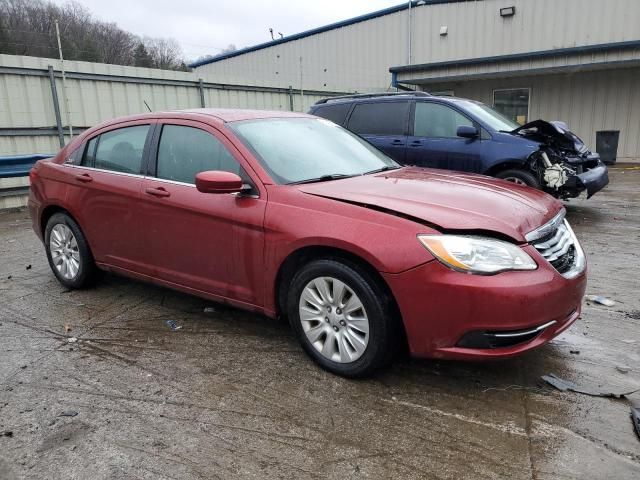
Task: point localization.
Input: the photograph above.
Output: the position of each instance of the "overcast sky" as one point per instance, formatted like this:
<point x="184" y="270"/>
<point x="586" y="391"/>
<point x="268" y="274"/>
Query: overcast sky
<point x="206" y="26"/>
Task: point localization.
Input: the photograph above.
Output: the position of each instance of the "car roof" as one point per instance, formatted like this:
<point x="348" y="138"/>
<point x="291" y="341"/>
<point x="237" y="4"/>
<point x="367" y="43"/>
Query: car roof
<point x="219" y="115"/>
<point x="393" y="97"/>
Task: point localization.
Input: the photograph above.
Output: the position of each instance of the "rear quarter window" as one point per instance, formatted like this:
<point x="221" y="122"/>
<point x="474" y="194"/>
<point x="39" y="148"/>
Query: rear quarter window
<point x="384" y="118"/>
<point x="335" y="113"/>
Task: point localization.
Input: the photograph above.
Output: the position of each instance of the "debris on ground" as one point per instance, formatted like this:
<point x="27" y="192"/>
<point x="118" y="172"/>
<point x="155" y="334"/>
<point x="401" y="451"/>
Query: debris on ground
<point x="600" y="300"/>
<point x="564" y="385"/>
<point x="574" y="352"/>
<point x="67" y="327"/>
<point x="9" y="277"/>
<point x="28" y="267"/>
<point x="623" y="368"/>
<point x="635" y="417"/>
<point x="72" y="340"/>
<point x="209" y="310"/>
<point x="173" y="325"/>
<point x="6" y="433"/>
<point x="68" y="413"/>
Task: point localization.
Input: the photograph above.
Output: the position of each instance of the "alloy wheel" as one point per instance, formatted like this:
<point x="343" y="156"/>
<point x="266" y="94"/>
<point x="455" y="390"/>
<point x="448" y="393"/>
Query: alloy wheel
<point x="334" y="319"/>
<point x="516" y="180"/>
<point x="65" y="255"/>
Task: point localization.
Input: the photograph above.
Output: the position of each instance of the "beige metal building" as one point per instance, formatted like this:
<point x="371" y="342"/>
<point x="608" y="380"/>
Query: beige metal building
<point x="572" y="60"/>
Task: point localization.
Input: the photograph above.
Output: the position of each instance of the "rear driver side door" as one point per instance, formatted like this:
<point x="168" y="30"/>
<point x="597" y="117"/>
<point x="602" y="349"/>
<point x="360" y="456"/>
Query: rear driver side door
<point x="384" y="125"/>
<point x="211" y="243"/>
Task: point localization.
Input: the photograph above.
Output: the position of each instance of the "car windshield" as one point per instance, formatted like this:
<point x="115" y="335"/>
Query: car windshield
<point x="490" y="117"/>
<point x="298" y="150"/>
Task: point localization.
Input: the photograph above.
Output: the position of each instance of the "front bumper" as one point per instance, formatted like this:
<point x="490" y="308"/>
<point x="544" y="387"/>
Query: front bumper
<point x="439" y="307"/>
<point x="593" y="180"/>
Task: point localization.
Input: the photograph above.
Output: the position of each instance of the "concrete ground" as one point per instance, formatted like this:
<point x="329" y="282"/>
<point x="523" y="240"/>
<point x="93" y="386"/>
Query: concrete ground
<point x="231" y="395"/>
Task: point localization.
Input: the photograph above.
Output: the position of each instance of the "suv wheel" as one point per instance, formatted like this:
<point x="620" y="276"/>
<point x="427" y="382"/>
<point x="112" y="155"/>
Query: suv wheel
<point x="341" y="317"/>
<point x="519" y="177"/>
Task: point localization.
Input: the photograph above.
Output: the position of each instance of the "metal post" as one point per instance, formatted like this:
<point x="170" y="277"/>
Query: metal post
<point x="301" y="89"/>
<point x="409" y="34"/>
<point x="64" y="82"/>
<point x="290" y="98"/>
<point x="56" y="105"/>
<point x="201" y="88"/>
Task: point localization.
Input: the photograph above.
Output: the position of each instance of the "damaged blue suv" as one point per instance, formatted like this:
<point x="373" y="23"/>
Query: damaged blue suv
<point x="416" y="128"/>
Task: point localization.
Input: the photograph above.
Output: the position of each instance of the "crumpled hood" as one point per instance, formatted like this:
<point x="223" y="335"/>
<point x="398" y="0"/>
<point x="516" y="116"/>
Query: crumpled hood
<point x="446" y="199"/>
<point x="552" y="132"/>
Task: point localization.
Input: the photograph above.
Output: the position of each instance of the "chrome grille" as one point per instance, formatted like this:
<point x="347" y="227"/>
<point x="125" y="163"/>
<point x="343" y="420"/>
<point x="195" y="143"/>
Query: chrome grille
<point x="557" y="244"/>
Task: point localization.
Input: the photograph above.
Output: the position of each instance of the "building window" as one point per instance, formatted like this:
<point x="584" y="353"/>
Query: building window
<point x="513" y="103"/>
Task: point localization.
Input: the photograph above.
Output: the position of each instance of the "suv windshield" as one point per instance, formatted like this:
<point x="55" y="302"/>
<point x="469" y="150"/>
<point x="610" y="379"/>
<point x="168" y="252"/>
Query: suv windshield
<point x="297" y="150"/>
<point x="490" y="117"/>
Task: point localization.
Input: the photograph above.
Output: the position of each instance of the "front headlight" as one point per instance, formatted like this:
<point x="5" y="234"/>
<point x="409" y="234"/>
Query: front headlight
<point x="479" y="255"/>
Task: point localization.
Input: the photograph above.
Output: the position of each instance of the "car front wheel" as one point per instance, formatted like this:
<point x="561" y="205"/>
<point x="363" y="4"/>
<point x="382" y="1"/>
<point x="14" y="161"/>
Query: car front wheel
<point x="519" y="177"/>
<point x="342" y="317"/>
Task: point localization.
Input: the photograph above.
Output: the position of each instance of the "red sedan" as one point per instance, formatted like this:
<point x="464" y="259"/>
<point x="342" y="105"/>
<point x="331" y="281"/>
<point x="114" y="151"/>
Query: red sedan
<point x="287" y="214"/>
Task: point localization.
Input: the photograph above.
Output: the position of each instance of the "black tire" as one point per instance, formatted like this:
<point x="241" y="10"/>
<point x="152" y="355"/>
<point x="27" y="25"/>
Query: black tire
<point x="383" y="332"/>
<point x="87" y="270"/>
<point x="527" y="178"/>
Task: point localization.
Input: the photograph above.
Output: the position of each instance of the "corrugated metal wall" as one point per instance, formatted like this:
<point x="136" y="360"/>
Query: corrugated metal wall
<point x="586" y="101"/>
<point x="358" y="56"/>
<point x="98" y="92"/>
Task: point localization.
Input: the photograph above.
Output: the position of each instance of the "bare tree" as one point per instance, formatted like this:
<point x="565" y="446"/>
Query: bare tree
<point x="165" y="53"/>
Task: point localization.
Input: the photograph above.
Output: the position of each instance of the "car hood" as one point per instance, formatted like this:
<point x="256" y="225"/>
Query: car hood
<point x="555" y="133"/>
<point x="446" y="200"/>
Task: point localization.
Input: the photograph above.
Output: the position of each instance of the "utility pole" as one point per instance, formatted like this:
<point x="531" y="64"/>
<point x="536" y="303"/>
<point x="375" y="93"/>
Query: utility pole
<point x="64" y="83"/>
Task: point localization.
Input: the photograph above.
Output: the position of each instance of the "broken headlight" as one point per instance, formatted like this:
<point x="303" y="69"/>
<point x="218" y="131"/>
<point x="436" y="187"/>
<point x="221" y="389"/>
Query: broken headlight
<point x="477" y="255"/>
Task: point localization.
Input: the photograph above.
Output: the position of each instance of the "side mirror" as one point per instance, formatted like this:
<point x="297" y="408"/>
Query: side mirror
<point x="217" y="181"/>
<point x="465" y="131"/>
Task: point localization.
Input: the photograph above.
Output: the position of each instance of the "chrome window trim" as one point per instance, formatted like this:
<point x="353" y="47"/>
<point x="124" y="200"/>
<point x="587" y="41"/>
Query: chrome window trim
<point x="547" y="228"/>
<point x="93" y="169"/>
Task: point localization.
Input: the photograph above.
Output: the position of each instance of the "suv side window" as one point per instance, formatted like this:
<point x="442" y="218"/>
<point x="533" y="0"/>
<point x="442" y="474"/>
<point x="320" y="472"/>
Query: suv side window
<point x="185" y="151"/>
<point x="437" y="121"/>
<point x="335" y="113"/>
<point x="383" y="118"/>
<point x="117" y="150"/>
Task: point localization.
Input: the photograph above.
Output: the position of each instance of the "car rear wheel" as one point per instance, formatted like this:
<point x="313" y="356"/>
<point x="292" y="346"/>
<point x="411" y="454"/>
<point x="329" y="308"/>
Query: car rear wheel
<point x="519" y="177"/>
<point x="68" y="252"/>
<point x="341" y="317"/>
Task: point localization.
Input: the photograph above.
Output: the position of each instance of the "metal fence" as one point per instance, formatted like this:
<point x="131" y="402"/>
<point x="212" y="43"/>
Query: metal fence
<point x="37" y="108"/>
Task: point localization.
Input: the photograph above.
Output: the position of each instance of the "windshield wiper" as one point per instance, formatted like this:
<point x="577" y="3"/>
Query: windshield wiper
<point x="383" y="169"/>
<point x="323" y="178"/>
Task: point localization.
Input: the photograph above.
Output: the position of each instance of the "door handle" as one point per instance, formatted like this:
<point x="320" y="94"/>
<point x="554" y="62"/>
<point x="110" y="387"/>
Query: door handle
<point x="84" y="178"/>
<point x="157" y="192"/>
<point x="396" y="142"/>
<point x="416" y="143"/>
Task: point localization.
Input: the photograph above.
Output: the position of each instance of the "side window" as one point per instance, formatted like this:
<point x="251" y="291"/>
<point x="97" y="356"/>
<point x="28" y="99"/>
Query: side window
<point x="185" y="151"/>
<point x="436" y="120"/>
<point x="89" y="158"/>
<point x="76" y="156"/>
<point x="120" y="150"/>
<point x="335" y="113"/>
<point x="384" y="118"/>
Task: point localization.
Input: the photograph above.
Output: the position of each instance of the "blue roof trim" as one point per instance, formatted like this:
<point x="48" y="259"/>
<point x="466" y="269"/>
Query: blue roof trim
<point x="601" y="47"/>
<point x="326" y="28"/>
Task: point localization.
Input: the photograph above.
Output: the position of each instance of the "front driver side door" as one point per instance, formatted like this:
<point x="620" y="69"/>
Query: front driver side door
<point x="434" y="141"/>
<point x="211" y="243"/>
